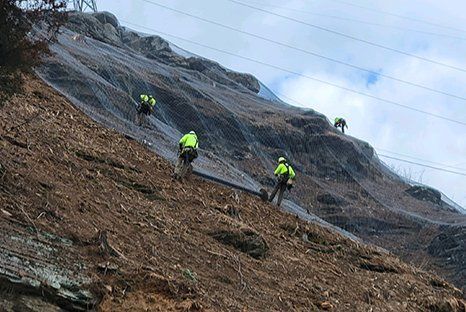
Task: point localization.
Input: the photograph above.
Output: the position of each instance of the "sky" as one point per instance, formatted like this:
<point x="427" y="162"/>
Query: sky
<point x="431" y="29"/>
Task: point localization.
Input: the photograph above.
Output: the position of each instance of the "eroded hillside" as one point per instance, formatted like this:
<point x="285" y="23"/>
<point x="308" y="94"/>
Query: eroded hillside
<point x="102" y="210"/>
<point x="102" y="67"/>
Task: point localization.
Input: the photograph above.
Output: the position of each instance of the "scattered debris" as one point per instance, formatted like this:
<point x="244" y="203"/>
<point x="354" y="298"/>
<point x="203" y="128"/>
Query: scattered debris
<point x="6" y="213"/>
<point x="105" y="246"/>
<point x="107" y="267"/>
<point x="326" y="305"/>
<point x="190" y="275"/>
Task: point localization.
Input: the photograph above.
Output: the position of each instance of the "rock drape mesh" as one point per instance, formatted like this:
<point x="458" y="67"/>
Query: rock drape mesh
<point x="241" y="133"/>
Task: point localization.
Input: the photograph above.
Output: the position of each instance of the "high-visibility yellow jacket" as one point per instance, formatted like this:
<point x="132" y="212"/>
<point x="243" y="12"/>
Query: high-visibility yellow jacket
<point x="189" y="140"/>
<point x="284" y="169"/>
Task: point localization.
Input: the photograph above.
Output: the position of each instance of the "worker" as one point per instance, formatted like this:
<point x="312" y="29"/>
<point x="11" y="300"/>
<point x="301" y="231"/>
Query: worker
<point x="285" y="176"/>
<point x="340" y="122"/>
<point x="188" y="145"/>
<point x="146" y="105"/>
<point x="145" y="108"/>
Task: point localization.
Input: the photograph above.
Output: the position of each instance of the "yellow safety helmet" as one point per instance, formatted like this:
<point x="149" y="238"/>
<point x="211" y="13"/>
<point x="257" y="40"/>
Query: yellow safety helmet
<point x="152" y="101"/>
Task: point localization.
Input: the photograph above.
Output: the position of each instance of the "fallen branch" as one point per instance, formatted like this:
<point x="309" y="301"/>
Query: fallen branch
<point x="240" y="273"/>
<point x="216" y="254"/>
<point x="27" y="121"/>
<point x="295" y="230"/>
<point x="105" y="246"/>
<point x="28" y="218"/>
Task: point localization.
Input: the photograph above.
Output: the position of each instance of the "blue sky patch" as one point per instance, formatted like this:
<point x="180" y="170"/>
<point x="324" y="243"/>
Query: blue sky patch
<point x="372" y="78"/>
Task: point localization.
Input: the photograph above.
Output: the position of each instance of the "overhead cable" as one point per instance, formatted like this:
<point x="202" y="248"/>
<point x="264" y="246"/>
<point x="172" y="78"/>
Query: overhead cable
<point x="302" y="75"/>
<point x="377" y="45"/>
<point x="414" y="19"/>
<point x="422" y="165"/>
<point x="354" y="20"/>
<point x="377" y="74"/>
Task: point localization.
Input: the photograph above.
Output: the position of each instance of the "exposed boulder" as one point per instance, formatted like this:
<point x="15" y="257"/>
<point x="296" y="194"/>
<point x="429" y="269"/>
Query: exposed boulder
<point x="245" y="240"/>
<point x="91" y="26"/>
<point x="151" y="46"/>
<point x="107" y="18"/>
<point x="425" y="193"/>
<point x="219" y="74"/>
<point x="247" y="80"/>
<point x="331" y="199"/>
<point x="377" y="265"/>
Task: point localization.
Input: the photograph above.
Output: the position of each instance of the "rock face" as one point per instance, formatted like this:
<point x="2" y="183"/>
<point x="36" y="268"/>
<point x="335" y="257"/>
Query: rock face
<point x="426" y="194"/>
<point x="107" y="18"/>
<point x="43" y="269"/>
<point x="241" y="134"/>
<point x="450" y="247"/>
<point x="105" y="27"/>
<point x="248" y="81"/>
<point x="100" y="26"/>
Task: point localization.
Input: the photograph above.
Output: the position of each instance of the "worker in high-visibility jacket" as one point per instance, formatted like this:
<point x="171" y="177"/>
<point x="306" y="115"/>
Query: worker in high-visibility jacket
<point x="188" y="146"/>
<point x="340" y="122"/>
<point x="285" y="176"/>
<point x="146" y="104"/>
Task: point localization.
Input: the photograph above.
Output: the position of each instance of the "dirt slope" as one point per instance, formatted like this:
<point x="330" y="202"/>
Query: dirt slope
<point x="147" y="243"/>
<point x="102" y="68"/>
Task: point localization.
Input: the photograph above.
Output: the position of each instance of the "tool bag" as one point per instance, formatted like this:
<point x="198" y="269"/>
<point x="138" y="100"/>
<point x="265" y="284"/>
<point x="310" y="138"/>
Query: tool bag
<point x="190" y="153"/>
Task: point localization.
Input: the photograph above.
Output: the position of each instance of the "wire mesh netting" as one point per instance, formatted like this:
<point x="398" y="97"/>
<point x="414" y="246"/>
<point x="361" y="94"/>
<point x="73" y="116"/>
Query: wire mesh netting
<point x="242" y="127"/>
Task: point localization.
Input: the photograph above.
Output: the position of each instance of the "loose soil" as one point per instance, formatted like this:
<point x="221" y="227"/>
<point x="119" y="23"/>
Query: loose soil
<point x="149" y="243"/>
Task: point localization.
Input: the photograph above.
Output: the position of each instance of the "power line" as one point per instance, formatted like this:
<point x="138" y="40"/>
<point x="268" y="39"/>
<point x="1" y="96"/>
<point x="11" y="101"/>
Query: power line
<point x="301" y="75"/>
<point x="399" y="16"/>
<point x="306" y="51"/>
<point x="359" y="21"/>
<point x="422" y="165"/>
<point x="351" y="37"/>
<point x="420" y="159"/>
<point x="288" y="98"/>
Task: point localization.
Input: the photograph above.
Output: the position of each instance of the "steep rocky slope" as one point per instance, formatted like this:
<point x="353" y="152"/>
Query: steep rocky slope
<point x="101" y="67"/>
<point x="100" y="212"/>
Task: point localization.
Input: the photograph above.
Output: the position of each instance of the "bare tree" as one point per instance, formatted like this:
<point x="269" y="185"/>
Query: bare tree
<point x="26" y="28"/>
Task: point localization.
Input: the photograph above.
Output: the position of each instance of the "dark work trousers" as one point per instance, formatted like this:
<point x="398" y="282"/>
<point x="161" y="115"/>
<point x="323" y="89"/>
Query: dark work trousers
<point x="144" y="108"/>
<point x="341" y="125"/>
<point x="280" y="187"/>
